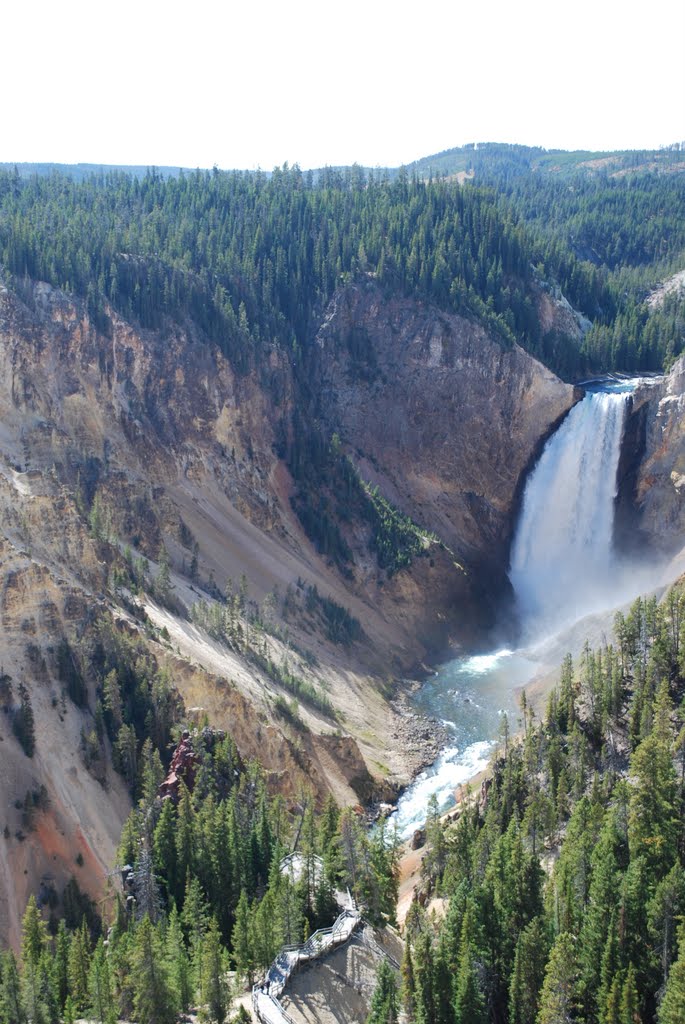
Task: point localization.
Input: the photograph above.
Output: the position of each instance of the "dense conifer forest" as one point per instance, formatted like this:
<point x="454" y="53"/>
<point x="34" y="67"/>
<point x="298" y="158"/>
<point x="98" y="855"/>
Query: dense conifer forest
<point x="251" y="259"/>
<point x="200" y="892"/>
<point x="564" y="882"/>
<point x="565" y="887"/>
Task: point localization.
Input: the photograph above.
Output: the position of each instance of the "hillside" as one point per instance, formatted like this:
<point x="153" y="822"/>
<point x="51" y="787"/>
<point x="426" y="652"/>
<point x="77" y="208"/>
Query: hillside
<point x="563" y="885"/>
<point x="482" y="158"/>
<point x="263" y="441"/>
<point x="140" y="473"/>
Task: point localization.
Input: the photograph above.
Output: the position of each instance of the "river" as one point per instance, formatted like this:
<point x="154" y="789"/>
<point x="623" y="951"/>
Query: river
<point x="563" y="568"/>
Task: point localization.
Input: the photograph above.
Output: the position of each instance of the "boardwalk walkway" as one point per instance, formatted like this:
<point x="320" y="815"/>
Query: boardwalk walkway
<point x="265" y="996"/>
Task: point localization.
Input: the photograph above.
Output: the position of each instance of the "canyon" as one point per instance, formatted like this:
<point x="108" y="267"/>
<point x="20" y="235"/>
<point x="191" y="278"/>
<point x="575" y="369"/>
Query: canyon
<point x="153" y="443"/>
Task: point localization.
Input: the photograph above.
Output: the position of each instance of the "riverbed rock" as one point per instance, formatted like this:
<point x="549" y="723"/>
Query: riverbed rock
<point x="418" y="839"/>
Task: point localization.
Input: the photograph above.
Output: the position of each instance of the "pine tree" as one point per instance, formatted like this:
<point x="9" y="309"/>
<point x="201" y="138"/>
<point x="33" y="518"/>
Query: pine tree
<point x="70" y="1013"/>
<point x="408" y="983"/>
<point x="195" y="921"/>
<point x="48" y="987"/>
<point x="241" y="940"/>
<point x="185" y="839"/>
<point x="163" y="584"/>
<point x="214" y="971"/>
<point x="61" y="963"/>
<point x="33" y="934"/>
<point x="385" y="1000"/>
<point x="469" y="1004"/>
<point x="23" y="723"/>
<point x="558" y="995"/>
<point x="266" y="930"/>
<point x="164" y="848"/>
<point x="100" y="987"/>
<point x="528" y="973"/>
<point x="180" y="969"/>
<point x="672" y="1008"/>
<point x="11" y="1004"/>
<point x="611" y="1014"/>
<point x="663" y="911"/>
<point x="151" y="775"/>
<point x="435" y="856"/>
<point x="629" y="1006"/>
<point x="424" y="977"/>
<point x="153" y="995"/>
<point x="653" y="814"/>
<point x="602" y="898"/>
<point x="33" y="943"/>
<point x="79" y="966"/>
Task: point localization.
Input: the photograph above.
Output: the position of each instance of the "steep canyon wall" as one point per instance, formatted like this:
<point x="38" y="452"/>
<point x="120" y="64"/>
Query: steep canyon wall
<point x="153" y="440"/>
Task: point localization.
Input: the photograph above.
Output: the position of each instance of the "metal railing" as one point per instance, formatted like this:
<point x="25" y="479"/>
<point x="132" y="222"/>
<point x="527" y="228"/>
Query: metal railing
<point x="376" y="947"/>
<point x="265" y="995"/>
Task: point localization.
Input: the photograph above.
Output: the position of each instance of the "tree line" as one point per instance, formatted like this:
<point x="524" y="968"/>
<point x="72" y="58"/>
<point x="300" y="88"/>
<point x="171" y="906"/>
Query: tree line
<point x="566" y="888"/>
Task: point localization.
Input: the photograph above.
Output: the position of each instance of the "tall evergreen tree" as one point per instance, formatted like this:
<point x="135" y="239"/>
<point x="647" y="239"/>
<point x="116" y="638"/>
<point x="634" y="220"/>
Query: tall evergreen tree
<point x="557" y="999"/>
<point x="672" y="1007"/>
<point x="153" y="994"/>
<point x="385" y="999"/>
<point x="11" y="1003"/>
<point x="214" y="968"/>
<point x="528" y="973"/>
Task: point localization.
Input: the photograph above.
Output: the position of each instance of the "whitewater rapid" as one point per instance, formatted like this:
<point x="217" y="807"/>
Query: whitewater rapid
<point x="563" y="567"/>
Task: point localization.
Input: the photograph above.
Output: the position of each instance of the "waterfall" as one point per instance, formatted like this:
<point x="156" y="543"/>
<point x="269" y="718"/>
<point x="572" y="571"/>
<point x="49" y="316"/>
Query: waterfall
<point x="563" y="567"/>
<point x="562" y="561"/>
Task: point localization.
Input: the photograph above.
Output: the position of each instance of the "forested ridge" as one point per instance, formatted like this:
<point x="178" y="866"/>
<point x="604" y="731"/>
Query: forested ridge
<point x="252" y="259"/>
<point x="566" y="886"/>
<point x="630" y="225"/>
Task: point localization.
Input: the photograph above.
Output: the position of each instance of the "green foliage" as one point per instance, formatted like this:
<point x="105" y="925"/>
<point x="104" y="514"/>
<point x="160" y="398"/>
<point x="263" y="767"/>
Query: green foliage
<point x="138" y="700"/>
<point x="385" y="1000"/>
<point x="154" y="1001"/>
<point x="557" y="996"/>
<point x="227" y="624"/>
<point x="70" y="675"/>
<point x="251" y="259"/>
<point x="593" y="937"/>
<point x="331" y="492"/>
<point x="204" y="888"/>
<point x="396" y="539"/>
<point x="339" y="624"/>
<point x="672" y="1008"/>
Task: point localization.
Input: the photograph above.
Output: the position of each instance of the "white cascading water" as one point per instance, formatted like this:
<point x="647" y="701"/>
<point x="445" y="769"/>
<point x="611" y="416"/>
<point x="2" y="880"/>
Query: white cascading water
<point x="561" y="560"/>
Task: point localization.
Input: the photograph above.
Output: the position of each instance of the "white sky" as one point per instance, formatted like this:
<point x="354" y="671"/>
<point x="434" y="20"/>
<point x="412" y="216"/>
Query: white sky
<point x="381" y="82"/>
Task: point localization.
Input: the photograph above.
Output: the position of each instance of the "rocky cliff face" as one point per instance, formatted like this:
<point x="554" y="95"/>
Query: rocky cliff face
<point x="437" y="413"/>
<point x="152" y="441"/>
<point x="651" y="499"/>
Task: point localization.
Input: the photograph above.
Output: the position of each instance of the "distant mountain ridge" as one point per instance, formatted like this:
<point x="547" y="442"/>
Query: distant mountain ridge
<point x="467" y="159"/>
<point x="479" y="158"/>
